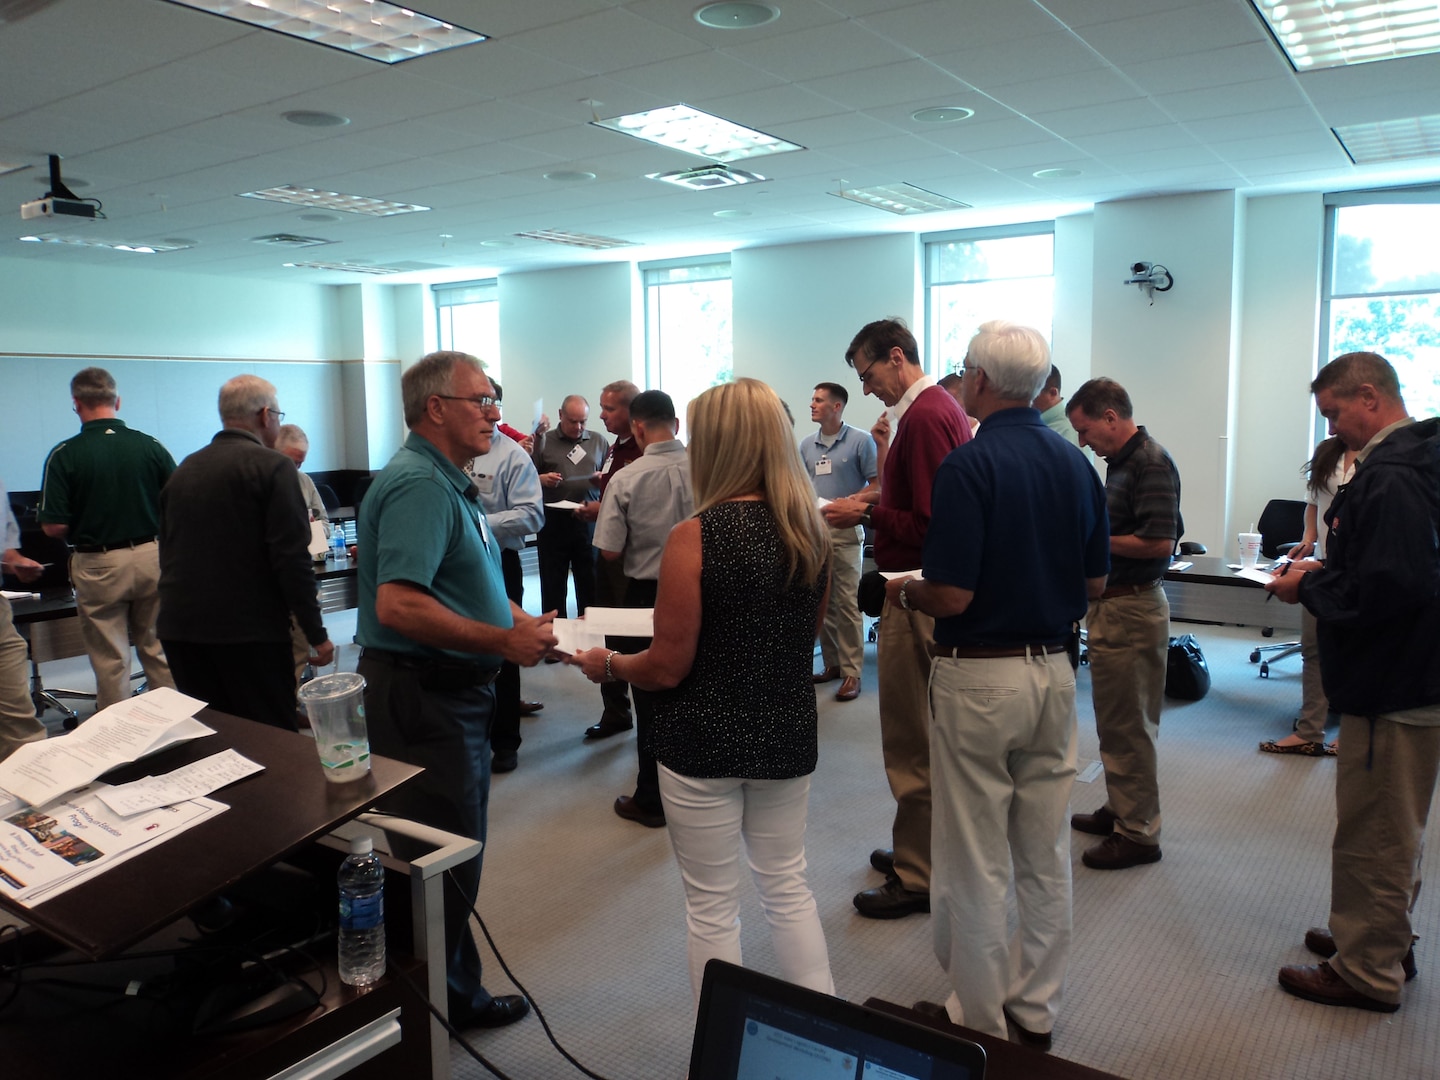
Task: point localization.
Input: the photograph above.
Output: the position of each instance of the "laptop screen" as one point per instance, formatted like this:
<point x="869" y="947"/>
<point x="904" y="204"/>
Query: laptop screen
<point x="752" y="1026"/>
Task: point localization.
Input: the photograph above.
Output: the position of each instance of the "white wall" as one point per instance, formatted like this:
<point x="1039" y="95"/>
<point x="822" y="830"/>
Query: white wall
<point x="1074" y="299"/>
<point x="797" y="306"/>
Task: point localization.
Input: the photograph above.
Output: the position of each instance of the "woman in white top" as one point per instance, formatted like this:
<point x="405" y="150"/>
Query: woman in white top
<point x="1328" y="471"/>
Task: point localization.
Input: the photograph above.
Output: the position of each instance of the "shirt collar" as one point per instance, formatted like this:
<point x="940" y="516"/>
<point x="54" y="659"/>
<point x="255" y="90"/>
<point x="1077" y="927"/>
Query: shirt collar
<point x="918" y="387"/>
<point x="839" y="437"/>
<point x="1381" y="435"/>
<point x="1131" y="445"/>
<point x="457" y="478"/>
<point x="667" y="446"/>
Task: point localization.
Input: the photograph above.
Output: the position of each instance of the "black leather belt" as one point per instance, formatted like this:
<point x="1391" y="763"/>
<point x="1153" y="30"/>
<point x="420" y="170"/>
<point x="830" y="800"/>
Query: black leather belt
<point x="991" y="652"/>
<point x="1129" y="590"/>
<point x="434" y="672"/>
<point x="92" y="549"/>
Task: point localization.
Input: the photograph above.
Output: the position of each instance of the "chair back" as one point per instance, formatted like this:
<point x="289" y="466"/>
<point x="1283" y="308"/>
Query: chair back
<point x="1281" y="526"/>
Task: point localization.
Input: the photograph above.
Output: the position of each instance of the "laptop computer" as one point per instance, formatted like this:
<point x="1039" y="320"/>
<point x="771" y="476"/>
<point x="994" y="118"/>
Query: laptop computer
<point x="754" y="1027"/>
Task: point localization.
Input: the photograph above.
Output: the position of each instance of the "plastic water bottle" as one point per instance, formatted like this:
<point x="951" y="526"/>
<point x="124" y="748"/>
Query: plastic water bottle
<point x="362" y="914"/>
<point x="338" y="551"/>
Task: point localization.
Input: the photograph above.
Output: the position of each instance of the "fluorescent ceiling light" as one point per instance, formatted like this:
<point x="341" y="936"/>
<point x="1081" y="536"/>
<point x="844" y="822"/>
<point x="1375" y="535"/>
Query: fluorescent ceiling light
<point x="901" y="199"/>
<point x="332" y="200"/>
<point x="1391" y="140"/>
<point x="369" y="28"/>
<point x="353" y="268"/>
<point x="574" y="239"/>
<point x="1319" y="34"/>
<point x="682" y="128"/>
<point x="153" y="248"/>
<point x="708" y="176"/>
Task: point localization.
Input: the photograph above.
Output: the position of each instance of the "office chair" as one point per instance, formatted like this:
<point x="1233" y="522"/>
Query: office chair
<point x="327" y="496"/>
<point x="55" y="553"/>
<point x="1281" y="526"/>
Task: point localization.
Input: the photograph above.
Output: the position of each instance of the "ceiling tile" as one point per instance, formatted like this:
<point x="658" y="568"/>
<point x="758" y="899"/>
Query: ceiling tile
<point x="915" y="81"/>
<point x="1099" y="119"/>
<point x="1081" y="88"/>
<point x="1198" y="26"/>
<point x="813" y="54"/>
<point x="1232" y="100"/>
<point x="943" y="25"/>
<point x="1055" y="53"/>
<point x="606" y="41"/>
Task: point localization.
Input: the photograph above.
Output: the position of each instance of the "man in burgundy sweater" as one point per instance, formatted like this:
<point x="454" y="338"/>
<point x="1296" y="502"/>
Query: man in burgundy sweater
<point x="929" y="423"/>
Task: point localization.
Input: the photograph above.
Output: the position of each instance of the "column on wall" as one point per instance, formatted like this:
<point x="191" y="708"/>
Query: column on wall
<point x="378" y="328"/>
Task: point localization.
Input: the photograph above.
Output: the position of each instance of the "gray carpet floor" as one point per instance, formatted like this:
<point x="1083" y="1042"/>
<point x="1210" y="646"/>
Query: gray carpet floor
<point x="1173" y="971"/>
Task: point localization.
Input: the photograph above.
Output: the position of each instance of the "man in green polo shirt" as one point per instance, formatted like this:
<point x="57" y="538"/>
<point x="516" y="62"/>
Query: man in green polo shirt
<point x="101" y="493"/>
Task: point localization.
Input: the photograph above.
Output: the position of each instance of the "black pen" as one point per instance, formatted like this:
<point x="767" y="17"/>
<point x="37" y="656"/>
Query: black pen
<point x="1283" y="571"/>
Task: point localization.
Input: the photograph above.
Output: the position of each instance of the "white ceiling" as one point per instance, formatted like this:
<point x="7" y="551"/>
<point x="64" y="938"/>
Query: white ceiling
<point x="167" y="114"/>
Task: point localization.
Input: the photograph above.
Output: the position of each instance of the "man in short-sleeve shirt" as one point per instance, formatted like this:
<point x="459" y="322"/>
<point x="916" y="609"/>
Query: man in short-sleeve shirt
<point x="18" y="723"/>
<point x="568" y="460"/>
<point x="435" y="625"/>
<point x="1128" y="628"/>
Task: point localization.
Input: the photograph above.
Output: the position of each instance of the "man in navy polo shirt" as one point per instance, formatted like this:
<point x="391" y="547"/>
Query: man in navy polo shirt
<point x="1018" y="541"/>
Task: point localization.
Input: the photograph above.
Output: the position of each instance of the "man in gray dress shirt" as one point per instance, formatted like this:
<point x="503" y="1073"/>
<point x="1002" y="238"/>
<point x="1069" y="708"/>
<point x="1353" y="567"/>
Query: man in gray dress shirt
<point x="642" y="504"/>
<point x="568" y="460"/>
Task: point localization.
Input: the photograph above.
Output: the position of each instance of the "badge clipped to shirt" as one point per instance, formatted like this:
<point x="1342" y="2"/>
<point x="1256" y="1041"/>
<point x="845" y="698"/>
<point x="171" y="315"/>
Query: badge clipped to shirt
<point x="577" y="454"/>
<point x="485" y="484"/>
<point x="822" y="467"/>
<point x="605" y="469"/>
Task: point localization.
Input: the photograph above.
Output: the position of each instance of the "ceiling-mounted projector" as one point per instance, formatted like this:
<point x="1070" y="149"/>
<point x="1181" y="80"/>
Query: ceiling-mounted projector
<point x="55" y="207"/>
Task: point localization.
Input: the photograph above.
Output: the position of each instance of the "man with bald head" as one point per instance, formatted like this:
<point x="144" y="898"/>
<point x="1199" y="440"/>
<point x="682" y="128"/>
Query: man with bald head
<point x="235" y="564"/>
<point x="568" y="459"/>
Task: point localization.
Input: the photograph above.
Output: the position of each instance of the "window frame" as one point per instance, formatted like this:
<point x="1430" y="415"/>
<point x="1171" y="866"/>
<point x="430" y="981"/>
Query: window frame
<point x="488" y="292"/>
<point x="653" y="362"/>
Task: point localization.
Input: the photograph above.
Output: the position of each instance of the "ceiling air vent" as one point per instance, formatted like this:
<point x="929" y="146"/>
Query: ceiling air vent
<point x="291" y="240"/>
<point x="708" y="176"/>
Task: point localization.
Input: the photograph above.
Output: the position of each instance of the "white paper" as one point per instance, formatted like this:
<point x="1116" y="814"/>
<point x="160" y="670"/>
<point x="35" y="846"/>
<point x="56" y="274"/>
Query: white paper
<point x="622" y="621"/>
<point x="563" y="504"/>
<point x="1260" y="577"/>
<point x="576" y="635"/>
<point x="891" y="575"/>
<point x="46" y="850"/>
<point x="1089" y="774"/>
<point x="820" y="500"/>
<point x="537" y="413"/>
<point x="187" y="782"/>
<point x="9" y="595"/>
<point x="124" y="732"/>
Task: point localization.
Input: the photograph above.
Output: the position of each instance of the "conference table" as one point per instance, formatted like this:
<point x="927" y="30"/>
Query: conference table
<point x="1209" y="591"/>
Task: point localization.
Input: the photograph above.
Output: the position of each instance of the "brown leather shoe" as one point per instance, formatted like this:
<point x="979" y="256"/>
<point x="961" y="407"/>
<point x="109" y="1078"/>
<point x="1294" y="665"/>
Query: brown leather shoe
<point x="630" y="810"/>
<point x="1100" y="823"/>
<point x="891" y="901"/>
<point x="1320" y="941"/>
<point x="849" y="689"/>
<point x="1318" y="982"/>
<point x="830" y="674"/>
<point x="530" y="708"/>
<point x="1118" y="852"/>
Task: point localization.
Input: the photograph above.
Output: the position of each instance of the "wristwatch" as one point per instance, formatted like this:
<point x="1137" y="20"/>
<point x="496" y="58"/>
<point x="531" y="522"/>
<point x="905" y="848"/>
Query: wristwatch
<point x="904" y="600"/>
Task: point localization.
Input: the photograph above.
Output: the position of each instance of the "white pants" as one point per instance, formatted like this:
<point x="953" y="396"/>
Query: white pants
<point x="1002" y="758"/>
<point x="707" y="819"/>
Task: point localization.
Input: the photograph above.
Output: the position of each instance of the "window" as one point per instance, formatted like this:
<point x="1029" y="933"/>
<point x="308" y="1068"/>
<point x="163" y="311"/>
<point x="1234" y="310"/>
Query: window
<point x="977" y="275"/>
<point x="1383" y="290"/>
<point x="687" y="327"/>
<point x="468" y="320"/>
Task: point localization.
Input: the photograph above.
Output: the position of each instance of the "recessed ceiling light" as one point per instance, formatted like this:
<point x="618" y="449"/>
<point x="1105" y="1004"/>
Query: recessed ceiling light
<point x="570" y="176"/>
<point x="350" y="268"/>
<point x="901" y="199"/>
<point x="310" y="118"/>
<point x="1391" y="140"/>
<point x="332" y="200"/>
<point x="153" y="248"/>
<point x="732" y="213"/>
<point x="1056" y="174"/>
<point x="708" y="176"/>
<point x="1319" y="34"/>
<point x="574" y="239"/>
<point x="736" y="15"/>
<point x="370" y="28"/>
<point x="942" y="114"/>
<point x="682" y="128"/>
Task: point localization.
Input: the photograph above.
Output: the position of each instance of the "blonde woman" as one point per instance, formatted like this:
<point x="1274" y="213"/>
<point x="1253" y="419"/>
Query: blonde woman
<point x="742" y="592"/>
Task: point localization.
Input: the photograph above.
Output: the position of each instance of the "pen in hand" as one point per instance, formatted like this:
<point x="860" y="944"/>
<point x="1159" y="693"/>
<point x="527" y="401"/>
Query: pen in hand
<point x="1283" y="571"/>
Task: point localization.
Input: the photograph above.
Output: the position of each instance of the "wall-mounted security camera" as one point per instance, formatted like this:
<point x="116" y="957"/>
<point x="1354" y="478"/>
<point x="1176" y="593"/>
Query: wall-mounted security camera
<point x="1151" y="277"/>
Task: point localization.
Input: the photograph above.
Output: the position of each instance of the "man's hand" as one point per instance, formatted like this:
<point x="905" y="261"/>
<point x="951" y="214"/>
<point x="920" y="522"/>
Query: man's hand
<point x="892" y="589"/>
<point x="550" y="479"/>
<point x="27" y="570"/>
<point x="844" y="513"/>
<point x="880" y="431"/>
<point x="530" y="640"/>
<point x="1285" y="584"/>
<point x="528" y="444"/>
<point x="323" y="655"/>
<point x="589" y="511"/>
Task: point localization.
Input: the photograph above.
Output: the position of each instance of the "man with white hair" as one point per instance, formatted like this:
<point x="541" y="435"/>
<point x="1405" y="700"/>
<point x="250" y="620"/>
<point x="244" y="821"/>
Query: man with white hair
<point x="1018" y="541"/>
<point x="295" y="444"/>
<point x="235" y="564"/>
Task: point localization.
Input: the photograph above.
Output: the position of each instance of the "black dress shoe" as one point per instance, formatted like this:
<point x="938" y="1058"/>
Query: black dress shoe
<point x="1320" y="941"/>
<point x="1036" y="1040"/>
<point x="1118" y="852"/>
<point x="891" y="901"/>
<point x="1318" y="982"/>
<point x="605" y="728"/>
<point x="933" y="1010"/>
<point x="1100" y="823"/>
<point x="502" y="763"/>
<point x="630" y="810"/>
<point x="530" y="708"/>
<point x="502" y="1010"/>
<point x="883" y="859"/>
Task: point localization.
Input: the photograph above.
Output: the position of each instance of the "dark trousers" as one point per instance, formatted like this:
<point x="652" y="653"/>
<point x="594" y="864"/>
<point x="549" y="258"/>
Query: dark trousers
<point x="448" y="734"/>
<point x="564" y="548"/>
<point x="610" y="586"/>
<point x="641" y="594"/>
<point x="505" y="733"/>
<point x="253" y="679"/>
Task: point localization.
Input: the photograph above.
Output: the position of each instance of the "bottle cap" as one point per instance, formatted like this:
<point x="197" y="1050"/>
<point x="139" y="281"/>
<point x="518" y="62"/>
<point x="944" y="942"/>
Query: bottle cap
<point x="361" y="845"/>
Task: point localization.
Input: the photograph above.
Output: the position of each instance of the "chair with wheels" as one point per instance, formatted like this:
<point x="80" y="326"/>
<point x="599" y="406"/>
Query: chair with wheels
<point x="1282" y="527"/>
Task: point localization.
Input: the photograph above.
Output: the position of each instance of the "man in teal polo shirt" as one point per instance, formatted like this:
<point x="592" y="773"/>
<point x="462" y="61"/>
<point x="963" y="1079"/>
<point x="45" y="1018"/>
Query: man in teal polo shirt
<point x="435" y="625"/>
<point x="101" y="493"/>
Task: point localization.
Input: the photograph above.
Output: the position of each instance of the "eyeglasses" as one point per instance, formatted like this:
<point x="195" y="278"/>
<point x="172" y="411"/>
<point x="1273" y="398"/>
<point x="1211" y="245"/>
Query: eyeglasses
<point x="481" y="402"/>
<point x="865" y="375"/>
<point x="279" y="416"/>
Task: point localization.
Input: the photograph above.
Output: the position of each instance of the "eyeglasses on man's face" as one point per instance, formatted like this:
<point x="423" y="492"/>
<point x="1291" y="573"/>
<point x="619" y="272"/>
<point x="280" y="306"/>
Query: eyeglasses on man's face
<point x="481" y="401"/>
<point x="279" y="416"/>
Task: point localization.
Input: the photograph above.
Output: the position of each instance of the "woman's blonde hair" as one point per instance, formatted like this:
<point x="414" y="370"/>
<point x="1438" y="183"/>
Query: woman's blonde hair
<point x="741" y="444"/>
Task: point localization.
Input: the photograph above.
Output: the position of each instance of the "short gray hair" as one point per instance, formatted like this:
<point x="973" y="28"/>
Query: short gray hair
<point x="430" y="376"/>
<point x="244" y="396"/>
<point x="291" y="435"/>
<point x="93" y="386"/>
<point x="1015" y="359"/>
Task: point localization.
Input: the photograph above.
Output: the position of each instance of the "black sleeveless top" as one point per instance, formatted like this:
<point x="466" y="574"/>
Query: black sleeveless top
<point x="747" y="707"/>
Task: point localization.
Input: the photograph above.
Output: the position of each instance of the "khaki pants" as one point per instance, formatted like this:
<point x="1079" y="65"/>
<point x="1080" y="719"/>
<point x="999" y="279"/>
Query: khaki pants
<point x="1127" y="638"/>
<point x="1384" y="783"/>
<point x="842" y="637"/>
<point x="18" y="724"/>
<point x="1314" y="705"/>
<point x="117" y="598"/>
<point x="904" y="668"/>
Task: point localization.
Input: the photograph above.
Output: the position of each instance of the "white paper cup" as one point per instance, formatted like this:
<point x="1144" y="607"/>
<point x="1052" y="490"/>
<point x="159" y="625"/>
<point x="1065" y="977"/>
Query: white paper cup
<point x="1249" y="550"/>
